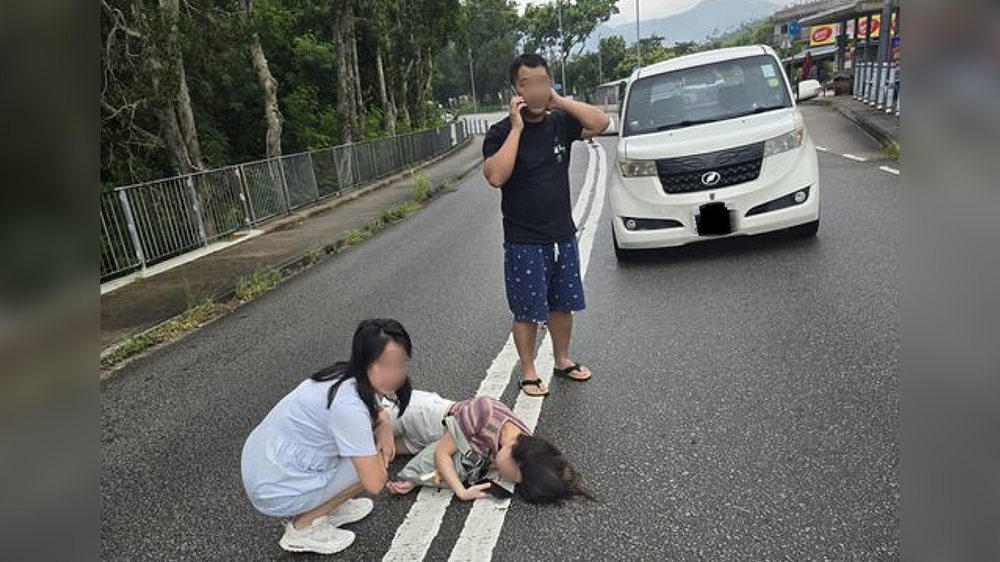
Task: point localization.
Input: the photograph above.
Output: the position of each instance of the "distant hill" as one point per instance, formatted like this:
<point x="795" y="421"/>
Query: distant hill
<point x="711" y="17"/>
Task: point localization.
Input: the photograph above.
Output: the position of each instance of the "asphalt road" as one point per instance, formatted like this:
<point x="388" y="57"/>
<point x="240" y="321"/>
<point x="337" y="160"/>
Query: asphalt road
<point x="744" y="404"/>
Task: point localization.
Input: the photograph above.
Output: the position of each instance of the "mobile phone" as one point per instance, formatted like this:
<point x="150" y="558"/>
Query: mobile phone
<point x="496" y="489"/>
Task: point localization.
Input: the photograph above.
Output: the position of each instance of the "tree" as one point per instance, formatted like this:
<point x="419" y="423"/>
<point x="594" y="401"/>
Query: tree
<point x="485" y="41"/>
<point x="578" y="21"/>
<point x="653" y="51"/>
<point x="196" y="84"/>
<point x="612" y="51"/>
<point x="342" y="30"/>
<point x="272" y="112"/>
<point x="170" y="84"/>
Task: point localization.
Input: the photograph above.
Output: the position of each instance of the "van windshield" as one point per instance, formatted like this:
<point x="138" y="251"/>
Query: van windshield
<point x="704" y="94"/>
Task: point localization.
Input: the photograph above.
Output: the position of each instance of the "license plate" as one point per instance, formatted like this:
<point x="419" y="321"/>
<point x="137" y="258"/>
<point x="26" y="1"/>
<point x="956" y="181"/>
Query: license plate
<point x="714" y="219"/>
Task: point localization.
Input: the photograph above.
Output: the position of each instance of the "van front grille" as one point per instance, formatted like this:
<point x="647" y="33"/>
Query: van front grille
<point x="688" y="174"/>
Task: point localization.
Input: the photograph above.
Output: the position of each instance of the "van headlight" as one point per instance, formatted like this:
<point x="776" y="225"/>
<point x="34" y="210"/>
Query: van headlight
<point x="785" y="142"/>
<point x="636" y="168"/>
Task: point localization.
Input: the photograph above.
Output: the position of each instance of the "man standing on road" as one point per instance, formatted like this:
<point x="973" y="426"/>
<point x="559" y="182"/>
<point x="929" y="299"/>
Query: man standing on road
<point x="526" y="156"/>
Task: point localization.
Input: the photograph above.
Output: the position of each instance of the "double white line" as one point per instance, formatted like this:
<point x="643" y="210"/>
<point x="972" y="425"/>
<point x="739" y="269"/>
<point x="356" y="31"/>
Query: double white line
<point x="482" y="527"/>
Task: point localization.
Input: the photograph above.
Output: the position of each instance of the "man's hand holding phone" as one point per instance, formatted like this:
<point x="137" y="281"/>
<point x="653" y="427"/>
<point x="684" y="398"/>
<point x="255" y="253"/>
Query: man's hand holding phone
<point x="517" y="105"/>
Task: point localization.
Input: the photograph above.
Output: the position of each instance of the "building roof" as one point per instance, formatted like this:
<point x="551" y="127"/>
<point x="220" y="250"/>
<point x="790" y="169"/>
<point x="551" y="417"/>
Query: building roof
<point x="844" y="12"/>
<point x="801" y="10"/>
<point x="817" y="52"/>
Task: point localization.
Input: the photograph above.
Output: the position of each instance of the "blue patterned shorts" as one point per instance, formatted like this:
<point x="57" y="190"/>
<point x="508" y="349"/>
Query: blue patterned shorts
<point x="543" y="278"/>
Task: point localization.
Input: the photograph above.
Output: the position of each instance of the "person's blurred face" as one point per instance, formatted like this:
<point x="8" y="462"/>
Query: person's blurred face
<point x="535" y="86"/>
<point x="389" y="372"/>
<point x="507" y="466"/>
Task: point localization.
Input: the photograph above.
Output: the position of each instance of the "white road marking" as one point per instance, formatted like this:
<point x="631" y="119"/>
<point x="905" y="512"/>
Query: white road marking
<point x="822" y="149"/>
<point x="582" y="199"/>
<point x="888" y="169"/>
<point x="414" y="536"/>
<point x="855" y="158"/>
<point x="482" y="527"/>
<point x="590" y="228"/>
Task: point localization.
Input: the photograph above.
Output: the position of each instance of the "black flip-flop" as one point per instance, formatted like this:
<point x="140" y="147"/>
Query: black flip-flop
<point x="532" y="382"/>
<point x="565" y="373"/>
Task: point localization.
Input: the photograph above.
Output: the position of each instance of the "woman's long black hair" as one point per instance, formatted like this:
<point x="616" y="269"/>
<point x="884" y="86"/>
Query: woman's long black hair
<point x="546" y="475"/>
<point x="369" y="342"/>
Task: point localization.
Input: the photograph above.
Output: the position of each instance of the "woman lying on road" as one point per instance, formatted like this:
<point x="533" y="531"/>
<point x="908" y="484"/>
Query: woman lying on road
<point x="456" y="442"/>
<point x="329" y="440"/>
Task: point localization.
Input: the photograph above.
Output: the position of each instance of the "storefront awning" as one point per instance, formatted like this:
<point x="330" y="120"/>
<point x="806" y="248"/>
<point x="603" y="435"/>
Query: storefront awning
<point x="817" y="52"/>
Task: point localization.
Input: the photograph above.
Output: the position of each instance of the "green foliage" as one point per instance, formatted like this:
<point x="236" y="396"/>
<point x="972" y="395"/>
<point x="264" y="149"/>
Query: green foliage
<point x="429" y="51"/>
<point x="759" y="32"/>
<point x="297" y="39"/>
<point x="309" y="123"/>
<point x="422" y="190"/>
<point x="170" y="330"/>
<point x="578" y="19"/>
<point x="354" y="236"/>
<point x="251" y="287"/>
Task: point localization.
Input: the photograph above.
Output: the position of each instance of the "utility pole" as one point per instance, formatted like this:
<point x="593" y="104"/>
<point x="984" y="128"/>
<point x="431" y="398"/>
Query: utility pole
<point x="472" y="82"/>
<point x="638" y="50"/>
<point x="562" y="43"/>
<point x="600" y="63"/>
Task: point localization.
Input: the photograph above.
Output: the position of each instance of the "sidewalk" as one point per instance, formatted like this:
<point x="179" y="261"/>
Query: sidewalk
<point x="879" y="124"/>
<point x="146" y="302"/>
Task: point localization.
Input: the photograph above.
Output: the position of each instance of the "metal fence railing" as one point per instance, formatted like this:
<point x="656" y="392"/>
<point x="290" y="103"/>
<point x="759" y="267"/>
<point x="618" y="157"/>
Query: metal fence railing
<point x="477" y="126"/>
<point x="150" y="222"/>
<point x="875" y="88"/>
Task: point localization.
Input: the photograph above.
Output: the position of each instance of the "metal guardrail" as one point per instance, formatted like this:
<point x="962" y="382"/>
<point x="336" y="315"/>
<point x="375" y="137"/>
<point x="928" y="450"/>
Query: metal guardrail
<point x="476" y="126"/>
<point x="150" y="222"/>
<point x="882" y="94"/>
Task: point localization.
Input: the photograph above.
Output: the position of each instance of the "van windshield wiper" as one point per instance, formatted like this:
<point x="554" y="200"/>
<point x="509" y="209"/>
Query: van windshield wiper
<point x="684" y="123"/>
<point x="761" y="109"/>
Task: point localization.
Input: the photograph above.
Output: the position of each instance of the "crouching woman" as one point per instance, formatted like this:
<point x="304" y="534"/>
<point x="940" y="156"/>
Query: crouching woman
<point x="330" y="440"/>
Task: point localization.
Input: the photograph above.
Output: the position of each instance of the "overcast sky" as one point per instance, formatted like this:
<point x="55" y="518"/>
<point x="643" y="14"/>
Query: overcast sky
<point x="650" y="9"/>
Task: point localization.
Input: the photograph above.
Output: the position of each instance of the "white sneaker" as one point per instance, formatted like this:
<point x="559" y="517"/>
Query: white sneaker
<point x="320" y="536"/>
<point x="350" y="511"/>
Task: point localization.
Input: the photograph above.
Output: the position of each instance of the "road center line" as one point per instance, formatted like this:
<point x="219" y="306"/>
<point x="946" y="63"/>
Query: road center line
<point x="581" y="201"/>
<point x="888" y="169"/>
<point x="423" y="521"/>
<point x="855" y="158"/>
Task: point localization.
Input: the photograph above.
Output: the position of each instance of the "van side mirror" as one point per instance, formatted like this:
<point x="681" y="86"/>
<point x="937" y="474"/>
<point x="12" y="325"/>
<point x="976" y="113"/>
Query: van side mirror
<point x="809" y="89"/>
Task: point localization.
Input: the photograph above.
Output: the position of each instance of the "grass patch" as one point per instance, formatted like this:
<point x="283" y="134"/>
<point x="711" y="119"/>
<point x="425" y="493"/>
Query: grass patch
<point x="314" y="256"/>
<point x="170" y="330"/>
<point x="353" y="236"/>
<point x="398" y="212"/>
<point x="374" y="225"/>
<point x="249" y="288"/>
<point x="422" y="190"/>
<point x="891" y="151"/>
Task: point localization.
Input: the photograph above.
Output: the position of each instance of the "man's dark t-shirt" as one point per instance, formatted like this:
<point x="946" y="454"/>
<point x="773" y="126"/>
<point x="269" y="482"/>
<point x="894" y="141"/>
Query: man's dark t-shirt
<point x="535" y="201"/>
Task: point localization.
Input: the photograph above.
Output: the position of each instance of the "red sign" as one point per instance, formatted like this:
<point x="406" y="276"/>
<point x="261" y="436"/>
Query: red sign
<point x="821" y="35"/>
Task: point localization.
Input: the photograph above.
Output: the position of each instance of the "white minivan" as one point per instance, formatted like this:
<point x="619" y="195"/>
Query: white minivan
<point x="712" y="145"/>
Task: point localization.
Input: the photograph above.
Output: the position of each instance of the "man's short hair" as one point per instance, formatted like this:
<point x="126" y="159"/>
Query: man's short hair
<point x="531" y="60"/>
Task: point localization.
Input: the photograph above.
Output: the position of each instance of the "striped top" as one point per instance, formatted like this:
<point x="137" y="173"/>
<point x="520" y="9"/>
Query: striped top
<point x="480" y="419"/>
